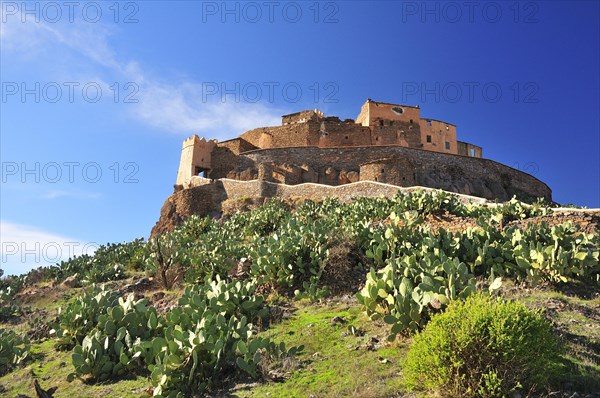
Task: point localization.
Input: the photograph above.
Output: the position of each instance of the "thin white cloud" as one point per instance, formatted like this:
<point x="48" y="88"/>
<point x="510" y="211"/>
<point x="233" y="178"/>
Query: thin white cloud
<point x="24" y="247"/>
<point x="58" y="193"/>
<point x="173" y="107"/>
<point x="179" y="108"/>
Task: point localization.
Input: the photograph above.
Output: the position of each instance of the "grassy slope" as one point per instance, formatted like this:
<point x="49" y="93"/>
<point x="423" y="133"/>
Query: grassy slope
<point x="576" y="316"/>
<point x="335" y="362"/>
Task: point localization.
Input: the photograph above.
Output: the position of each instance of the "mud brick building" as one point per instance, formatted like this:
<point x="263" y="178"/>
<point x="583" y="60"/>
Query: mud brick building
<point x="387" y="147"/>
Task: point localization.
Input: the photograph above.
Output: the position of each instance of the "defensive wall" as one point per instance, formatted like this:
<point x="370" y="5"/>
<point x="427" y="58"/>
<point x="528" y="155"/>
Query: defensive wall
<point x="389" y="164"/>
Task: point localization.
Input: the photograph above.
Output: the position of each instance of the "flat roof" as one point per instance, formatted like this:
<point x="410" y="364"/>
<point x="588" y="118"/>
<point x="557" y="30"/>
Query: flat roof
<point x="438" y="120"/>
<point x="389" y="103"/>
<point x="297" y="113"/>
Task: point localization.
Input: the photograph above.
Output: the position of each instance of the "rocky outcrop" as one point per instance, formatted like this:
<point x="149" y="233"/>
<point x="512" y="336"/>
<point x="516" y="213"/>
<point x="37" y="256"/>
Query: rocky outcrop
<point x="182" y="204"/>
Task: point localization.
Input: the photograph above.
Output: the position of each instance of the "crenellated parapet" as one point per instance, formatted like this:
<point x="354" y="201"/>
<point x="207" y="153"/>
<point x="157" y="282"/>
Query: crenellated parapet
<point x="196" y="159"/>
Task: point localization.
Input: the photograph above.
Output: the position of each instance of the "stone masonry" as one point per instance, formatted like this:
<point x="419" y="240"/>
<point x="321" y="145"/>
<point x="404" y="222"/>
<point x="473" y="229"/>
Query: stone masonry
<point x="388" y="144"/>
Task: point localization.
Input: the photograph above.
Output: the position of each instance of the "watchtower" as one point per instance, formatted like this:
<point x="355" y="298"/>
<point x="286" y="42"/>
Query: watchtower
<point x="196" y="155"/>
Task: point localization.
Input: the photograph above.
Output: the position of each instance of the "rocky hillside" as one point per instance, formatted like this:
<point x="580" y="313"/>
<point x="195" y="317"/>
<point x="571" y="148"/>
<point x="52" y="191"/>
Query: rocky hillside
<point x="317" y="298"/>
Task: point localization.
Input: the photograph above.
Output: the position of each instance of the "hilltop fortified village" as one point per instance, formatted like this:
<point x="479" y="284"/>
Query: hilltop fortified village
<point x="311" y="155"/>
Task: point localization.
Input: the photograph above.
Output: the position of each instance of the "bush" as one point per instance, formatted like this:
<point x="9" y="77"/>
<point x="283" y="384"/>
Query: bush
<point x="483" y="347"/>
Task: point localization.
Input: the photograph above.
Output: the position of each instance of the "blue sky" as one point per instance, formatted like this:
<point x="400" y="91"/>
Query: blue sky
<point x="97" y="96"/>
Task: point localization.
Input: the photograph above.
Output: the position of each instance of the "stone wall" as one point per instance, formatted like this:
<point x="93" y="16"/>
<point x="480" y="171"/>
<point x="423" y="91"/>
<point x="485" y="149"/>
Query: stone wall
<point x="294" y="134"/>
<point x="373" y="111"/>
<point x="337" y="134"/>
<point x="391" y="171"/>
<point x="466" y="149"/>
<point x="395" y="132"/>
<point x="472" y="176"/>
<point x="301" y="117"/>
<point x="438" y="136"/>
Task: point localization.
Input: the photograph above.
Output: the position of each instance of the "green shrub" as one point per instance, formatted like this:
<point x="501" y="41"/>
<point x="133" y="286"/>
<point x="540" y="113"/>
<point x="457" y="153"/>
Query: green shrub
<point x="483" y="347"/>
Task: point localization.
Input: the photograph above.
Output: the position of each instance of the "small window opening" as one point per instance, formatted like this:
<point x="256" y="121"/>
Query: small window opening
<point x="472" y="151"/>
<point x="383" y="170"/>
<point x="376" y="138"/>
<point x="429" y="138"/>
<point x="346" y="137"/>
<point x="429" y="122"/>
<point x="411" y="120"/>
<point x="199" y="171"/>
<point x="447" y="145"/>
<point x="381" y="122"/>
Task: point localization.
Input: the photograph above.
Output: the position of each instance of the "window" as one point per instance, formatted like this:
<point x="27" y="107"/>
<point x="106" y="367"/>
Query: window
<point x="376" y="138"/>
<point x="383" y="170"/>
<point x="397" y="110"/>
<point x="447" y="145"/>
<point x="381" y="122"/>
<point x="346" y="137"/>
<point x="428" y="138"/>
<point x="472" y="151"/>
<point x="199" y="171"/>
<point x="411" y="120"/>
<point x="429" y="122"/>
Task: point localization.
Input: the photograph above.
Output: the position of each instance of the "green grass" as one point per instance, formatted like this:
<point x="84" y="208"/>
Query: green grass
<point x="51" y="368"/>
<point x="576" y="318"/>
<point x="335" y="363"/>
